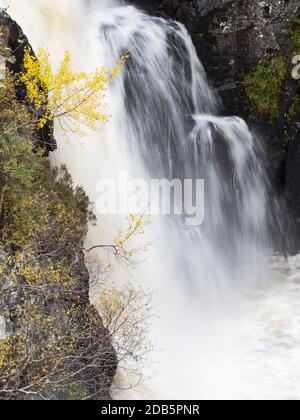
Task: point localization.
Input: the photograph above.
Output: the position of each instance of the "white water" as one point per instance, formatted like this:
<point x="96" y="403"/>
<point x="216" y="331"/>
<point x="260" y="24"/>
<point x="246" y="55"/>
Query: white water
<point x="229" y="325"/>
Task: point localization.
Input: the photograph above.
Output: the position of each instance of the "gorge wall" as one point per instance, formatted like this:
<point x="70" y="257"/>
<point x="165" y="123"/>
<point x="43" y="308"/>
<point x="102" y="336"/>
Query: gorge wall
<point x="17" y="43"/>
<point x="53" y="344"/>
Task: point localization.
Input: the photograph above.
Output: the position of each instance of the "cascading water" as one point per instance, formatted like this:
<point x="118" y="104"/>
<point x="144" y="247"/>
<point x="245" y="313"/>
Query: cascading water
<point x="220" y="335"/>
<point x="166" y="114"/>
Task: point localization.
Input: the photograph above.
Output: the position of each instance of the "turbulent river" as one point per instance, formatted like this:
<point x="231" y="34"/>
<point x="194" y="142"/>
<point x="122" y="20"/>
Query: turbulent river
<point x="228" y="324"/>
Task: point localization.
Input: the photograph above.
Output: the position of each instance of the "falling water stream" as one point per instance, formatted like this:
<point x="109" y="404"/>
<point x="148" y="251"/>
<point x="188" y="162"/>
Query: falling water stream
<point x="228" y="324"/>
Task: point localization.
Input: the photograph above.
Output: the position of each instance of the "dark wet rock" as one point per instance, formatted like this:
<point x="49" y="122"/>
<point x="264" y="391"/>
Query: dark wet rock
<point x="292" y="179"/>
<point x="17" y="42"/>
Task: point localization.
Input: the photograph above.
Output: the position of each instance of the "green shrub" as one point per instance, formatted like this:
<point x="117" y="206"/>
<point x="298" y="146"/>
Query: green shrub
<point x="264" y="86"/>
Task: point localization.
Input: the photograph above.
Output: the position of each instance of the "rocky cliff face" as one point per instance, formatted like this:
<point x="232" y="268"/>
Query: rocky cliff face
<point x="53" y="344"/>
<point x="13" y="43"/>
<point x="247" y="47"/>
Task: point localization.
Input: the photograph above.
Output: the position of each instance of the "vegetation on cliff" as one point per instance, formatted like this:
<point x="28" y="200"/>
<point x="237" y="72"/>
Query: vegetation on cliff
<point x="264" y="87"/>
<point x="54" y="345"/>
<point x="295" y="32"/>
<point x="266" y="83"/>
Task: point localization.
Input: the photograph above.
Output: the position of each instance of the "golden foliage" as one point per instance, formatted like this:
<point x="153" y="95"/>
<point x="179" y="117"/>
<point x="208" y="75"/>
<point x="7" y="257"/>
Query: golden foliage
<point x="126" y="243"/>
<point x="76" y="99"/>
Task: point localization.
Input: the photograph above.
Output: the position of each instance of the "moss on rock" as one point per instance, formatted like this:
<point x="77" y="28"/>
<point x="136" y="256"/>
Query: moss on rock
<point x="295" y="33"/>
<point x="264" y="87"/>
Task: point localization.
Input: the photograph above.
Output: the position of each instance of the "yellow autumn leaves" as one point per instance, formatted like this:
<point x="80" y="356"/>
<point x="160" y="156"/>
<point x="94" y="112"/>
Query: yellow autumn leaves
<point x="136" y="226"/>
<point x="75" y="99"/>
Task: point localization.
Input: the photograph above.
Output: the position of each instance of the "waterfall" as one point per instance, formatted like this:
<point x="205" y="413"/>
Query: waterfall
<point x="168" y="119"/>
<point x="167" y="123"/>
